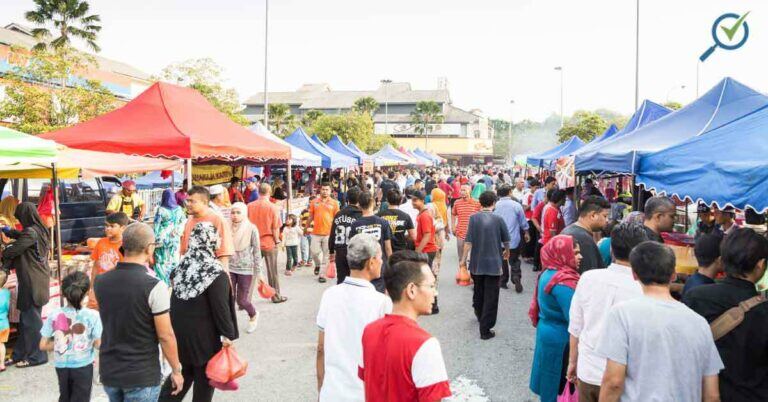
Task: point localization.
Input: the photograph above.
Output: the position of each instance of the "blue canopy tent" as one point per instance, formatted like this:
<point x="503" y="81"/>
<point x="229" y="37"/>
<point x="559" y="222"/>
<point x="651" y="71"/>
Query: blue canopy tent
<point x="726" y="102"/>
<point x="647" y="113"/>
<point x="725" y="166"/>
<point x="299" y="157"/>
<point x="337" y="145"/>
<point x="435" y="159"/>
<point x="330" y="159"/>
<point x="566" y="148"/>
<point x="387" y="153"/>
<point x="377" y="160"/>
<point x="609" y="133"/>
<point x="155" y="180"/>
<point x="352" y="161"/>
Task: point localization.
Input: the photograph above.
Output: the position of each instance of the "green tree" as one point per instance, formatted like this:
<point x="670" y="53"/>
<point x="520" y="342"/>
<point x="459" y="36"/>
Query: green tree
<point x="34" y="105"/>
<point x="355" y="127"/>
<point x="205" y="76"/>
<point x="673" y="105"/>
<point x="583" y="124"/>
<point x="281" y="121"/>
<point x="425" y="116"/>
<point x="366" y="105"/>
<point x="310" y="117"/>
<point x="612" y="117"/>
<point x="68" y="19"/>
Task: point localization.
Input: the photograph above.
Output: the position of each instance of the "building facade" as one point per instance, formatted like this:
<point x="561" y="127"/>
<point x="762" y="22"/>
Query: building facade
<point x="464" y="136"/>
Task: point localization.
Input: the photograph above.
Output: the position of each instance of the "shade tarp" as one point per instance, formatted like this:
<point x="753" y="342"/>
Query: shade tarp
<point x="724" y="103"/>
<point x="336" y="144"/>
<point x="387" y="153"/>
<point x="725" y="166"/>
<point x="174" y="122"/>
<point x="422" y="159"/>
<point x="350" y="160"/>
<point x="17" y="147"/>
<point x="566" y="148"/>
<point x="435" y="159"/>
<point x="329" y="160"/>
<point x="156" y="179"/>
<point x="377" y="160"/>
<point x="299" y="157"/>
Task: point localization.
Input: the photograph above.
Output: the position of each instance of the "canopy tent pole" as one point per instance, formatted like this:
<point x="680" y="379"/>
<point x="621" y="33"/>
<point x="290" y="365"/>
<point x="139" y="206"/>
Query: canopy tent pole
<point x="289" y="183"/>
<point x="189" y="172"/>
<point x="57" y="219"/>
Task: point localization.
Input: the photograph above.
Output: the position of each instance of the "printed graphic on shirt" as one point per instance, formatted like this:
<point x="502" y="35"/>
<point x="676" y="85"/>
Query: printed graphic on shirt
<point x="373" y="230"/>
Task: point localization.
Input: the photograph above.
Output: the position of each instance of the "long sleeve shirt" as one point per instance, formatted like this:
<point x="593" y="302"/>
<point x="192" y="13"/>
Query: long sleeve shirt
<point x="513" y="215"/>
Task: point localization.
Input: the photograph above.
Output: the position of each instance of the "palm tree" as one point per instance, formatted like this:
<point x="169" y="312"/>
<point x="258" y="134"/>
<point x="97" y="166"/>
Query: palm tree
<point x="366" y="105"/>
<point x="69" y="19"/>
<point x="280" y="118"/>
<point x="425" y="116"/>
<point x="310" y="117"/>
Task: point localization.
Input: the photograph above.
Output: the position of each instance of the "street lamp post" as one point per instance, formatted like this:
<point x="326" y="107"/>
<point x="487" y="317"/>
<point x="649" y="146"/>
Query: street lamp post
<point x="509" y="140"/>
<point x="562" y="115"/>
<point x="266" y="42"/>
<point x="637" y="56"/>
<point x="385" y="82"/>
<point x="672" y="89"/>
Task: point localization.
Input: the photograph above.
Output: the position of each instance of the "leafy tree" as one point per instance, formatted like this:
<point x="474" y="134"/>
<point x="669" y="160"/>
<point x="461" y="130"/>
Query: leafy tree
<point x="68" y="19"/>
<point x="425" y="116"/>
<point x="612" y="117"/>
<point x="281" y="121"/>
<point x="356" y="127"/>
<point x="310" y="117"/>
<point x="34" y="105"/>
<point x="366" y="105"/>
<point x="673" y="105"/>
<point x="583" y="124"/>
<point x="205" y="76"/>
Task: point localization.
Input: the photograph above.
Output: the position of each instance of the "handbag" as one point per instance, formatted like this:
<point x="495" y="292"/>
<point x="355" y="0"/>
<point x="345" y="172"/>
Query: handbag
<point x="734" y="316"/>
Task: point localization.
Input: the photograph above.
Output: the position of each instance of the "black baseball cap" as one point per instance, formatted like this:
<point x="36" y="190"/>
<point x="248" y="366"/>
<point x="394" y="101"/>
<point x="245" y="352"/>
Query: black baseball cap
<point x="419" y="195"/>
<point x="702" y="208"/>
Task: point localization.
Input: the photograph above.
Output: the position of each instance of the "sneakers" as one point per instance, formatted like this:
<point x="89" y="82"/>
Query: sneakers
<point x="317" y="271"/>
<point x="321" y="279"/>
<point x="519" y="287"/>
<point x="491" y="333"/>
<point x="253" y="323"/>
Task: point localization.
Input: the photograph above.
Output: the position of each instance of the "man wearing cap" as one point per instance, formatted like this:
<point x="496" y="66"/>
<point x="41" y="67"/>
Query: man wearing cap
<point x="220" y="201"/>
<point x="127" y="201"/>
<point x="725" y="219"/>
<point x="706" y="223"/>
<point x="251" y="190"/>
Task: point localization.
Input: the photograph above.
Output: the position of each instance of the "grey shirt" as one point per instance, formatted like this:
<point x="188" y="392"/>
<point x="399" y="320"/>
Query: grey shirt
<point x="486" y="233"/>
<point x="247" y="261"/>
<point x="666" y="346"/>
<point x="590" y="254"/>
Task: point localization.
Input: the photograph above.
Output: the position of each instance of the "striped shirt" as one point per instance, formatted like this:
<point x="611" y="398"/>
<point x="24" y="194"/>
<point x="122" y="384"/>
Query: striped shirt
<point x="463" y="209"/>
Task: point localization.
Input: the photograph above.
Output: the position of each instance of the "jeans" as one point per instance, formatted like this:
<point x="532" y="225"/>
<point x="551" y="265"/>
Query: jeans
<point x="145" y="394"/>
<point x="241" y="285"/>
<point x="193" y="375"/>
<point x="291" y="257"/>
<point x="304" y="248"/>
<point x="319" y="245"/>
<point x="75" y="384"/>
<point x="28" y="344"/>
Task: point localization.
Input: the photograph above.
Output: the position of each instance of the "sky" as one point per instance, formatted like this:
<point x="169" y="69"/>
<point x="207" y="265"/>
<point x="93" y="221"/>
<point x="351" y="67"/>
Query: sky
<point x="491" y="52"/>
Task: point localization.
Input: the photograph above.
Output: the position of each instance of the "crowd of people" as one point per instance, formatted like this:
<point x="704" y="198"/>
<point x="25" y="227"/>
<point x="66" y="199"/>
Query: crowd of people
<point x="613" y="320"/>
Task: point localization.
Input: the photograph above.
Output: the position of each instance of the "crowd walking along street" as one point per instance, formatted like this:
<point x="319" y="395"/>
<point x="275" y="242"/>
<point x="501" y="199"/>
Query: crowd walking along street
<point x="361" y="238"/>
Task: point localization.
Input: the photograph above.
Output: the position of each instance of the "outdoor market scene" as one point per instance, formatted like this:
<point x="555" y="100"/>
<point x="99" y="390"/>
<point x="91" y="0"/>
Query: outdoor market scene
<point x="227" y="202"/>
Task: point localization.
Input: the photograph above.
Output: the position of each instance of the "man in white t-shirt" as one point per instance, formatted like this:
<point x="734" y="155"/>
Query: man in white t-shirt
<point x="344" y="312"/>
<point x="657" y="349"/>
<point x="599" y="290"/>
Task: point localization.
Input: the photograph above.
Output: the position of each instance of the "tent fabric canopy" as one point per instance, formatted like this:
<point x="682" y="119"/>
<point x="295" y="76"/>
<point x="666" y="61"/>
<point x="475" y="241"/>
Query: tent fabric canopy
<point x="18" y="147"/>
<point x="724" y="103"/>
<point x="564" y="149"/>
<point x="421" y="159"/>
<point x="428" y="155"/>
<point x="691" y="170"/>
<point x="299" y="157"/>
<point x="329" y="159"/>
<point x="377" y="160"/>
<point x="391" y="154"/>
<point x="155" y="179"/>
<point x="337" y="145"/>
<point x="350" y="160"/>
<point x="173" y="122"/>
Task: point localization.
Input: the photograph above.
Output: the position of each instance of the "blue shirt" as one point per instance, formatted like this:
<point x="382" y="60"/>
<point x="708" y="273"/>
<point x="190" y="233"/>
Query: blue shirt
<point x="73" y="332"/>
<point x="514" y="217"/>
<point x="5" y="305"/>
<point x="538" y="197"/>
<point x="695" y="281"/>
<point x="569" y="212"/>
<point x="486" y="233"/>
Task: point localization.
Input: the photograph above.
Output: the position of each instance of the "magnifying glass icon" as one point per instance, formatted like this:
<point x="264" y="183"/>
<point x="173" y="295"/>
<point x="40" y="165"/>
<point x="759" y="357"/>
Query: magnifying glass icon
<point x="719" y="43"/>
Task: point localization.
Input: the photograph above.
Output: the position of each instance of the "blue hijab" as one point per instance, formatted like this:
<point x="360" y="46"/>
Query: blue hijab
<point x="169" y="200"/>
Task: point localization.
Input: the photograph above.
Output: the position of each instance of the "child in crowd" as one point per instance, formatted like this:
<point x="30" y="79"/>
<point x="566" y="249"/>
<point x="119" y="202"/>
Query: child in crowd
<point x="106" y="254"/>
<point x="73" y="333"/>
<point x="5" y="327"/>
<point x="306" y="226"/>
<point x="292" y="234"/>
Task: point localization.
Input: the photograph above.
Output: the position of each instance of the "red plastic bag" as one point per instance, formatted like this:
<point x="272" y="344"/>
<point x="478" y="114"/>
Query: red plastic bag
<point x="225" y="386"/>
<point x="330" y="272"/>
<point x="570" y="393"/>
<point x="462" y="277"/>
<point x="225" y="366"/>
<point x="266" y="291"/>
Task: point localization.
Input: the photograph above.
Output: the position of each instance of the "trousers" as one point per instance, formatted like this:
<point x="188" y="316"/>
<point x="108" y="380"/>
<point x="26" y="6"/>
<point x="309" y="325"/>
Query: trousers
<point x="28" y="344"/>
<point x="510" y="268"/>
<point x="270" y="261"/>
<point x="291" y="257"/>
<point x="319" y="245"/>
<point x="304" y="245"/>
<point x="75" y="384"/>
<point x="485" y="300"/>
<point x="241" y="285"/>
<point x="202" y="392"/>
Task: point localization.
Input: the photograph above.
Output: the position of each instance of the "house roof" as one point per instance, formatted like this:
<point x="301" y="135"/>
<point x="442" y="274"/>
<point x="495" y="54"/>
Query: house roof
<point x="19" y="35"/>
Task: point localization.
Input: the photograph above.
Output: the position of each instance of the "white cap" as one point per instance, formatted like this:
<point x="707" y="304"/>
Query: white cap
<point x="216" y="189"/>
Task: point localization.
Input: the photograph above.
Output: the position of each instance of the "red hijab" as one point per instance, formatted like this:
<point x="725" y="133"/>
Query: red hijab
<point x="557" y="255"/>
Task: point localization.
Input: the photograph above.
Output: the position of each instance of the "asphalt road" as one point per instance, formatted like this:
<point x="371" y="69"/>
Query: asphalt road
<point x="281" y="353"/>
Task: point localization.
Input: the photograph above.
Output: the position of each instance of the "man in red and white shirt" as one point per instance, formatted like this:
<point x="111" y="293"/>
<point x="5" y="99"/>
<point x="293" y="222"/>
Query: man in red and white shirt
<point x="402" y="362"/>
<point x="462" y="209"/>
<point x="552" y="222"/>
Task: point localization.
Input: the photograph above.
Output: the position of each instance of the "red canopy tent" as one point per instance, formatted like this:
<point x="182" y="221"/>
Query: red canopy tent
<point x="172" y="122"/>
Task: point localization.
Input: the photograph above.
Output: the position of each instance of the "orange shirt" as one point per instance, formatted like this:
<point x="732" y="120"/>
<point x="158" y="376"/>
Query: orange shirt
<point x="226" y="246"/>
<point x="264" y="215"/>
<point x="105" y="256"/>
<point x="322" y="213"/>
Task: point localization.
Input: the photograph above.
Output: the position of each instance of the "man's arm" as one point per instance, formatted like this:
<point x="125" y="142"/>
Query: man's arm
<point x="711" y="389"/>
<point x="320" y="363"/>
<point x="573" y="358"/>
<point x="613" y="381"/>
<point x="387" y="248"/>
<point x="167" y="340"/>
<point x="424" y="241"/>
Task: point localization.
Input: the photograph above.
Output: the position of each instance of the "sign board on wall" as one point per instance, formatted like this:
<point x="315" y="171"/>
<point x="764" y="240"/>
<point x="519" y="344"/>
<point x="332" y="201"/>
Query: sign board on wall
<point x="208" y="175"/>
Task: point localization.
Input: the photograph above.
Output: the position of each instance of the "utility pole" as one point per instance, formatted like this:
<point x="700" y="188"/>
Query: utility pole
<point x="562" y="114"/>
<point x="266" y="43"/>
<point x="637" y="56"/>
<point x="509" y="143"/>
<point x="385" y="82"/>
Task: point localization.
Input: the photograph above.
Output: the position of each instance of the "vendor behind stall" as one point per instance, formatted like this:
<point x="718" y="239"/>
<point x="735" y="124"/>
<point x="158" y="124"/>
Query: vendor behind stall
<point x="127" y="202"/>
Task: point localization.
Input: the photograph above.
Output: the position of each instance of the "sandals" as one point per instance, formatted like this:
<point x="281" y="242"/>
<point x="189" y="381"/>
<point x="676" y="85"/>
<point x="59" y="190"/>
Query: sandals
<point x="26" y="364"/>
<point x="288" y="272"/>
<point x="280" y="299"/>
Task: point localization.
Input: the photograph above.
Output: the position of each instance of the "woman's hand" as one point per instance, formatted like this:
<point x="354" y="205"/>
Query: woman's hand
<point x="226" y="342"/>
<point x="570" y="373"/>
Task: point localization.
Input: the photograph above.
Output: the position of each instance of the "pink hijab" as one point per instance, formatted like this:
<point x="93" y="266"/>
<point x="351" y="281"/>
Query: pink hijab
<point x="558" y="255"/>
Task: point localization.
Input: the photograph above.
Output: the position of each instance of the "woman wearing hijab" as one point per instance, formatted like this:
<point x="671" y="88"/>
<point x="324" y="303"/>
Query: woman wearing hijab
<point x="245" y="264"/>
<point x="549" y="311"/>
<point x="169" y="225"/>
<point x="202" y="312"/>
<point x="28" y="255"/>
<point x="478" y="189"/>
<point x="45" y="207"/>
<point x="7" y="211"/>
<point x="439" y="212"/>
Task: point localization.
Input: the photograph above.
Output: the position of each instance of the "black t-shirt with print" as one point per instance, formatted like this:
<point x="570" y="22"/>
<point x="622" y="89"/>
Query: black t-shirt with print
<point x="399" y="223"/>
